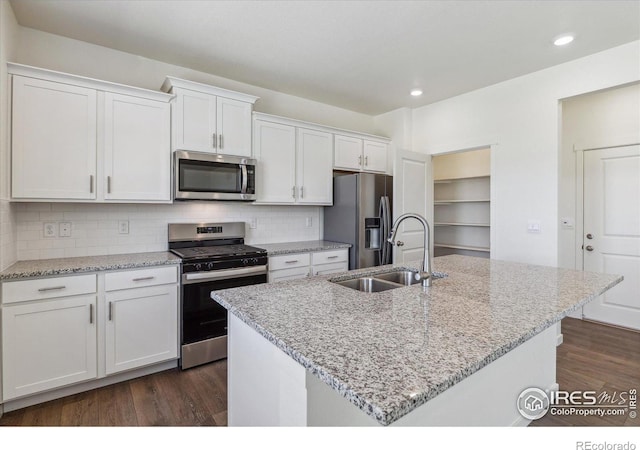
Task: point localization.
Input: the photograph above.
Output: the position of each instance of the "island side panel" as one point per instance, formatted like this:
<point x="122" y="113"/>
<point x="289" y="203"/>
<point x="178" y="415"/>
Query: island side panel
<point x="486" y="398"/>
<point x="265" y="386"/>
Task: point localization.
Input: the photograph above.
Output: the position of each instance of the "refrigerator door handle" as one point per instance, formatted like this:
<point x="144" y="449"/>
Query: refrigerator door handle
<point x="386" y="228"/>
<point x="383" y="234"/>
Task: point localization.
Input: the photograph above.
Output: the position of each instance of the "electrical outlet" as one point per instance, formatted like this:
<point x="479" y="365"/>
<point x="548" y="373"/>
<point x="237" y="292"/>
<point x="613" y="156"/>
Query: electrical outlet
<point x="123" y="226"/>
<point x="49" y="229"/>
<point x="309" y="222"/>
<point x="253" y="224"/>
<point x="65" y="229"/>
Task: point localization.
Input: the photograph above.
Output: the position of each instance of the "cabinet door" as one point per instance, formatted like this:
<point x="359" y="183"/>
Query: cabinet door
<point x="289" y="274"/>
<point x="375" y="156"/>
<point x="275" y="150"/>
<point x="137" y="149"/>
<point x="234" y="127"/>
<point x="347" y="153"/>
<point x="141" y="327"/>
<point x="53" y="140"/>
<point x="326" y="269"/>
<point x="195" y="121"/>
<point x="48" y="344"/>
<point x="315" y="167"/>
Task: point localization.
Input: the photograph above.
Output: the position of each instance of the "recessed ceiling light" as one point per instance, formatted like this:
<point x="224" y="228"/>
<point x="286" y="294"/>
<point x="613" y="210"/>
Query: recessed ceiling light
<point x="416" y="92"/>
<point x="563" y="40"/>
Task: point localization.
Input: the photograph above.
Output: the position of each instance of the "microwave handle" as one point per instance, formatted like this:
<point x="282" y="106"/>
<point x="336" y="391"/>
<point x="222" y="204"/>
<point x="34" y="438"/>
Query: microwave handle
<point x="245" y="178"/>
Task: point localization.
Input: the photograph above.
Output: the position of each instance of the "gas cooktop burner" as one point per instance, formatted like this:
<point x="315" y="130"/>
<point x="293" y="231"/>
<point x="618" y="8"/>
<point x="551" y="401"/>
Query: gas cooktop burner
<point x="217" y="251"/>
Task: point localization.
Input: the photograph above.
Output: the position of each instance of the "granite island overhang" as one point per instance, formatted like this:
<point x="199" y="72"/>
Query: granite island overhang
<point x="313" y="352"/>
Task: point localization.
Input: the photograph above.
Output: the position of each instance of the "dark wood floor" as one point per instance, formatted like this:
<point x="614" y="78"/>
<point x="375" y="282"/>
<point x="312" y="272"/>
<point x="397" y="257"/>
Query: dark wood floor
<point x="592" y="357"/>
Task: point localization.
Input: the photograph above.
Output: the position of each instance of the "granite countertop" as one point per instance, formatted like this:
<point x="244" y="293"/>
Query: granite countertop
<point x="392" y="351"/>
<point x="284" y="248"/>
<point x="66" y="266"/>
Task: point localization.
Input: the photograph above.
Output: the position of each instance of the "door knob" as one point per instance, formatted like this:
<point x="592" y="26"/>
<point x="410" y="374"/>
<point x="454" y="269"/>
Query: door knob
<point x="589" y="236"/>
<point x="589" y="248"/>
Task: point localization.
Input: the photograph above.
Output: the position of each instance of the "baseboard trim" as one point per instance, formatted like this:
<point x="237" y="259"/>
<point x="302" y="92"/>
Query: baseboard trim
<point x="42" y="397"/>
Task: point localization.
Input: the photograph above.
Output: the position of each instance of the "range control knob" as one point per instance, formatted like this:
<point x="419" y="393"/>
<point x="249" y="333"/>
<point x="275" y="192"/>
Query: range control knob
<point x="245" y="262"/>
<point x="210" y="266"/>
<point x="254" y="260"/>
<point x="198" y="267"/>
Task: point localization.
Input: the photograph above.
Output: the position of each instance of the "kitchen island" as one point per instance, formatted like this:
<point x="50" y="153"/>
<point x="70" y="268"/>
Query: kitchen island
<point x="313" y="352"/>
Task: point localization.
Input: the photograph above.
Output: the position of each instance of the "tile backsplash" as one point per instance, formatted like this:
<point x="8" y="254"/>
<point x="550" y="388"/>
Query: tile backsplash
<point x="95" y="227"/>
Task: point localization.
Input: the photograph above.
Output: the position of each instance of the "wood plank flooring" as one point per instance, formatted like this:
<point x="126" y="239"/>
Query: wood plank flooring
<point x="592" y="357"/>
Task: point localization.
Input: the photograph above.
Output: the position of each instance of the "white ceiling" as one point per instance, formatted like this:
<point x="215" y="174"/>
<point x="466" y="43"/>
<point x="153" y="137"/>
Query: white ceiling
<point x="360" y="55"/>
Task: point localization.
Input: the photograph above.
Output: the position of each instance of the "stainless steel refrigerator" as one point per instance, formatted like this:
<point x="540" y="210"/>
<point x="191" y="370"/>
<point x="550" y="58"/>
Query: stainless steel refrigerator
<point x="361" y="215"/>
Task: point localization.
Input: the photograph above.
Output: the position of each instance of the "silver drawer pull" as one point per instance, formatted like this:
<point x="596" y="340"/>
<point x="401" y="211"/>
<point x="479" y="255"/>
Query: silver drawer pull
<point x="332" y="257"/>
<point x="143" y="279"/>
<point x="54" y="288"/>
<point x="291" y="262"/>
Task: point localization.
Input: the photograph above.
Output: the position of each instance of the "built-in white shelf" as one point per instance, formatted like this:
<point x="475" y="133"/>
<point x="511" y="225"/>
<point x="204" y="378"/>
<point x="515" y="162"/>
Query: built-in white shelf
<point x="458" y="224"/>
<point x="446" y="202"/>
<point x="451" y="180"/>
<point x="463" y="247"/>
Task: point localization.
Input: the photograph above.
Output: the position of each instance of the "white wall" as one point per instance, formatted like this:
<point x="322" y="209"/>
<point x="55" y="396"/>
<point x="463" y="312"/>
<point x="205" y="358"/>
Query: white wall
<point x="8" y="36"/>
<point x="601" y="119"/>
<point x="522" y="116"/>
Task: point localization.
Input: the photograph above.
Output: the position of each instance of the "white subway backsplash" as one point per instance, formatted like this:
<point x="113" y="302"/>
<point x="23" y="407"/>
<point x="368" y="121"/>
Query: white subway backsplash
<point x="94" y="229"/>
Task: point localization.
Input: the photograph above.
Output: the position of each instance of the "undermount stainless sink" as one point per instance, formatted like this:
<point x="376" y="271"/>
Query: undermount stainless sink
<point x="384" y="281"/>
<point x="368" y="284"/>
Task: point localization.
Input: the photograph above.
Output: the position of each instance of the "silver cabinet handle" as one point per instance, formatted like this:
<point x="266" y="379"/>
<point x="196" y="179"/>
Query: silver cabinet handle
<point x="90" y="184"/>
<point x="301" y="191"/>
<point x="291" y="262"/>
<point x="589" y="248"/>
<point x="366" y="160"/>
<point x="109" y="184"/>
<point x="143" y="279"/>
<point x="332" y="257"/>
<point x="293" y="192"/>
<point x="360" y="160"/>
<point x="110" y="311"/>
<point x="221" y="142"/>
<point x="54" y="288"/>
<point x="215" y="140"/>
<point x="91" y="313"/>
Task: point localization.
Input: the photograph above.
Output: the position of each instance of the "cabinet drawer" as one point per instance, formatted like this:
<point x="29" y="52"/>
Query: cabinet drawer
<point x="140" y="278"/>
<point x="289" y="261"/>
<point x="289" y="274"/>
<point x="331" y="256"/>
<point x="43" y="288"/>
<point x="326" y="269"/>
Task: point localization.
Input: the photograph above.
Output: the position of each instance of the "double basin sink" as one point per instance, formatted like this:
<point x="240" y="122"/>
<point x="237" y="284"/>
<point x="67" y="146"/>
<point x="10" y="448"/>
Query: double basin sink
<point x="381" y="282"/>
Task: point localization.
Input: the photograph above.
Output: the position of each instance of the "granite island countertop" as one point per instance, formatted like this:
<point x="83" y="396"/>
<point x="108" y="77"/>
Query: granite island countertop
<point x="283" y="248"/>
<point x="392" y="351"/>
<point x="67" y="266"/>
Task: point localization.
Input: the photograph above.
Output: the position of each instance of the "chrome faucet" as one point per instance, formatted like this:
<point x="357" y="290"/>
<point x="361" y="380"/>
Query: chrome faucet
<point x="425" y="275"/>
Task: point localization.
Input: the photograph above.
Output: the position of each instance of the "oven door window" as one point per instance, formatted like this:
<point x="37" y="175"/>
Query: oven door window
<point x="205" y="176"/>
<point x="202" y="317"/>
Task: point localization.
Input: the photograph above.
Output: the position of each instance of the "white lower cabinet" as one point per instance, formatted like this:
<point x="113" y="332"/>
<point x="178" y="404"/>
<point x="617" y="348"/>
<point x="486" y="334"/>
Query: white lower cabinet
<point x="48" y="344"/>
<point x="141" y="327"/>
<point x="51" y="327"/>
<point x="294" y="266"/>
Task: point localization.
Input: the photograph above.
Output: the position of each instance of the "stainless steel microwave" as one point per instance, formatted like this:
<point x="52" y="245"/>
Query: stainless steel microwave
<point x="209" y="176"/>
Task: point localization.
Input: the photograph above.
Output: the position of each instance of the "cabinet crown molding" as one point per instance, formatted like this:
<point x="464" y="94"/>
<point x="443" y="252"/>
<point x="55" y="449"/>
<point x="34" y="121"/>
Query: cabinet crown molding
<point x="173" y="82"/>
<point x="314" y="126"/>
<point x="92" y="83"/>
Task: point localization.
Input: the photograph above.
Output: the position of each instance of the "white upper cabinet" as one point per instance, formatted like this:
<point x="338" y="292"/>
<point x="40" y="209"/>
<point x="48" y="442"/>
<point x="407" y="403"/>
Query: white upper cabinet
<point x="79" y="139"/>
<point x="135" y="128"/>
<point x="54" y="129"/>
<point x="294" y="163"/>
<point x="360" y="154"/>
<point x="210" y="119"/>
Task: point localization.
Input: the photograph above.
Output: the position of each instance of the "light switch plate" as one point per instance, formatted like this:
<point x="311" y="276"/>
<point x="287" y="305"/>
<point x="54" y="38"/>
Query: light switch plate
<point x="309" y="222"/>
<point x="123" y="226"/>
<point x="253" y="224"/>
<point x="65" y="229"/>
<point x="533" y="226"/>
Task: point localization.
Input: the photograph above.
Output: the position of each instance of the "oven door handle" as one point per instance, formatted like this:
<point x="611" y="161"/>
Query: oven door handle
<point x="245" y="178"/>
<point x="199" y="277"/>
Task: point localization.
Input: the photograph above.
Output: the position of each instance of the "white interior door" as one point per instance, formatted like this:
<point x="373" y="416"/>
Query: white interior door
<point x="412" y="193"/>
<point x="612" y="231"/>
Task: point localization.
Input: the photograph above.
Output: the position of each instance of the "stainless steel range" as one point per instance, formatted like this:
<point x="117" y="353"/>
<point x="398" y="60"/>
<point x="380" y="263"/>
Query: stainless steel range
<point x="214" y="256"/>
